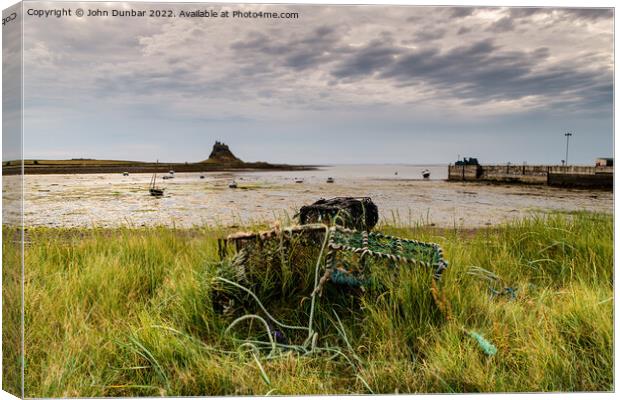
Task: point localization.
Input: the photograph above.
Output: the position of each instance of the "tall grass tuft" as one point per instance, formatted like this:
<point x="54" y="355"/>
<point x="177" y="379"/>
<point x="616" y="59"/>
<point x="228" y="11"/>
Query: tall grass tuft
<point x="139" y="311"/>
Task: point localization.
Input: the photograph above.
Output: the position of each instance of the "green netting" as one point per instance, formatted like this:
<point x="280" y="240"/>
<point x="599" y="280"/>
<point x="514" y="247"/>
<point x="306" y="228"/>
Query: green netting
<point x="380" y="246"/>
<point x="383" y="245"/>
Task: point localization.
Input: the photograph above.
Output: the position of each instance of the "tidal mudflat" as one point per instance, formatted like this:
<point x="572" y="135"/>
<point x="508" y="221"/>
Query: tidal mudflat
<point x="111" y="200"/>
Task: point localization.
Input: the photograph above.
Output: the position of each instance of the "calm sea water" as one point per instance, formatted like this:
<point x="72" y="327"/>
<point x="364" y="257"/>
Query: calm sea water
<point x="398" y="190"/>
<point x="393" y="172"/>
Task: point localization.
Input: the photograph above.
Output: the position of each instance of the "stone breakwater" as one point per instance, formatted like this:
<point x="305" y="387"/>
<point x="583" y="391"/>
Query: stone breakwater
<point x="552" y="175"/>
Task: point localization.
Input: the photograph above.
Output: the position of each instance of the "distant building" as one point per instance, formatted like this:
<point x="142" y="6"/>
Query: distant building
<point x="467" y="161"/>
<point x="604" y="162"/>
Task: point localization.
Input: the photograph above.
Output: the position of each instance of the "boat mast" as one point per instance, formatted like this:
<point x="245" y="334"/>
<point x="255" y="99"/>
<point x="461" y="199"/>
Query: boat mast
<point x="154" y="177"/>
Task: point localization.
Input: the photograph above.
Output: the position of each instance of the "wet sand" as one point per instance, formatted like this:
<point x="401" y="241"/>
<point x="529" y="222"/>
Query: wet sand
<point x="110" y="200"/>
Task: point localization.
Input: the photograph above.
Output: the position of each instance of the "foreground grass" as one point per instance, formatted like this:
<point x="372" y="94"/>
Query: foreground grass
<point x="129" y="312"/>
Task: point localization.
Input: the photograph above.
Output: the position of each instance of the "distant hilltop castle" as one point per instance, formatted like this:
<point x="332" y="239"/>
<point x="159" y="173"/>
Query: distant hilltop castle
<point x="222" y="154"/>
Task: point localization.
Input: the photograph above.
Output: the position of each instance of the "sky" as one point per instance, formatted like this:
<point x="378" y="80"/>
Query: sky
<point x="340" y="84"/>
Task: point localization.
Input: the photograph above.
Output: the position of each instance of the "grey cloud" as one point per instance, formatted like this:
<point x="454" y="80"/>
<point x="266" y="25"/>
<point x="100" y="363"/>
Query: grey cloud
<point x="324" y="31"/>
<point x="523" y="12"/>
<point x="589" y="14"/>
<point x="414" y="18"/>
<point x="479" y="73"/>
<point x="503" y="25"/>
<point x="583" y="14"/>
<point x="476" y="73"/>
<point x="366" y="61"/>
<point x="197" y="32"/>
<point x="429" y="34"/>
<point x="298" y="53"/>
<point x="357" y="65"/>
<point x="258" y="42"/>
<point x="301" y="60"/>
<point x="541" y="52"/>
<point x="272" y="56"/>
<point x="418" y="63"/>
<point x="460" y="12"/>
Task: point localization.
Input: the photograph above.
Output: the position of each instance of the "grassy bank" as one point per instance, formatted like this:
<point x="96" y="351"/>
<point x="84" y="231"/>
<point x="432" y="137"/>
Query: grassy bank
<point x="129" y="312"/>
<point x="89" y="166"/>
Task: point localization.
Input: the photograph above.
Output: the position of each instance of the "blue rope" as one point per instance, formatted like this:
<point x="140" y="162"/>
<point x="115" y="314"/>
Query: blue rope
<point x="484" y="344"/>
<point x="510" y="292"/>
<point x="341" y="278"/>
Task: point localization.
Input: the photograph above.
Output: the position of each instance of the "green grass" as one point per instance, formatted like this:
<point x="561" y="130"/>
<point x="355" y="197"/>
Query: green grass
<point x="128" y="312"/>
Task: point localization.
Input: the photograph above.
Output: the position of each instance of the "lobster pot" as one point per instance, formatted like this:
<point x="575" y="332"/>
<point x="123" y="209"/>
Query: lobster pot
<point x="351" y="212"/>
<point x="278" y="262"/>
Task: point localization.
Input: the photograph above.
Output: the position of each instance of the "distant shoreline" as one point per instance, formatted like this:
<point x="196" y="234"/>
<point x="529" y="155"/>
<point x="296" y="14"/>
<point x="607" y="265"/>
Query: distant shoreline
<point x="87" y="166"/>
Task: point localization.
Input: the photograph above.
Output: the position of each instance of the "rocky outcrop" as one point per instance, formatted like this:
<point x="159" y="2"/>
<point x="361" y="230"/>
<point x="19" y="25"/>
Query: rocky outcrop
<point x="222" y="154"/>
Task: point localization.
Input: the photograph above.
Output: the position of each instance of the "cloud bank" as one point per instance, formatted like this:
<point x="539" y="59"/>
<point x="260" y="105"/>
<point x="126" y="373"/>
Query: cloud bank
<point x="346" y="83"/>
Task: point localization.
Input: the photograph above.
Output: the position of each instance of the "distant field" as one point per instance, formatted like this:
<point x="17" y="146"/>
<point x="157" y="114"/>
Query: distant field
<point x="130" y="312"/>
<point x="81" y="162"/>
<point x="89" y="166"/>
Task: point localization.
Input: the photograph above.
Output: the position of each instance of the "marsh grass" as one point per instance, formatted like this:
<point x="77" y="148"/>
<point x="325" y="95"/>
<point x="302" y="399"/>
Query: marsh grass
<point x="138" y="311"/>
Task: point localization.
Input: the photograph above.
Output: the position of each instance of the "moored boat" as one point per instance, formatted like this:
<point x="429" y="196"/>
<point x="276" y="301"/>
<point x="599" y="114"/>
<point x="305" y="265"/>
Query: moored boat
<point x="156" y="192"/>
<point x="153" y="190"/>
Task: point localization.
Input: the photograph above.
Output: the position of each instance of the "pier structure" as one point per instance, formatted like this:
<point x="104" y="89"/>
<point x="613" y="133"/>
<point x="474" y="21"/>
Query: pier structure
<point x="552" y="175"/>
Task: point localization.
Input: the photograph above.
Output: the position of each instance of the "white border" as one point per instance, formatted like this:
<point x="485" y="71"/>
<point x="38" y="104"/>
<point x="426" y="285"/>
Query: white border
<point x="567" y="3"/>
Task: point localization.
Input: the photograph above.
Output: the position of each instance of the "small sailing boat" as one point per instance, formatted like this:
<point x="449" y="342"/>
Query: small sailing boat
<point x="232" y="184"/>
<point x="330" y="180"/>
<point x="153" y="190"/>
<point x="156" y="192"/>
<point x="426" y="174"/>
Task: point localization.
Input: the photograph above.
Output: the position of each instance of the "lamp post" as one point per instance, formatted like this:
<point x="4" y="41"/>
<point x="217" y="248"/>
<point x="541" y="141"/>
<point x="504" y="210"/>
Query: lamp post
<point x="568" y="135"/>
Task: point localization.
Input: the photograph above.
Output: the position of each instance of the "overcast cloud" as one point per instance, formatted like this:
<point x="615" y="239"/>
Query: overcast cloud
<point x="338" y="85"/>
